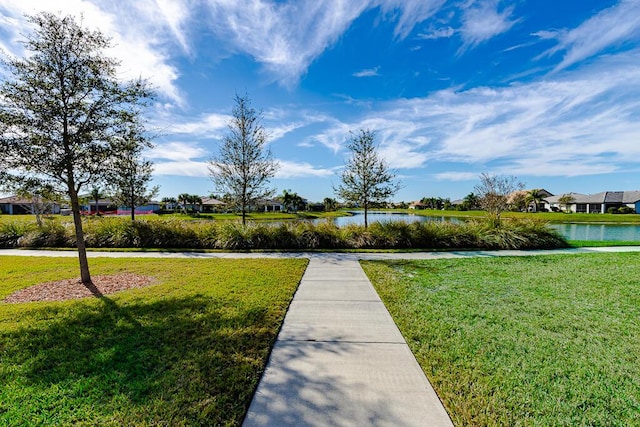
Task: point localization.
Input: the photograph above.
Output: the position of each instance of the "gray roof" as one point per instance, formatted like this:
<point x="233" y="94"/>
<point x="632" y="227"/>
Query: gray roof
<point x="602" y="197"/>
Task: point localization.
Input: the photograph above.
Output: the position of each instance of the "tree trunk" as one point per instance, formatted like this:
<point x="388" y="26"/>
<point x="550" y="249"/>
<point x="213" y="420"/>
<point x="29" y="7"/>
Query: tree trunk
<point x="366" y="223"/>
<point x="80" y="244"/>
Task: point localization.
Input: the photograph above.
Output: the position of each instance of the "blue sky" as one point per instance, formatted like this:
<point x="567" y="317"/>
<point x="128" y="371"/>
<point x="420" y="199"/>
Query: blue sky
<point x="548" y="91"/>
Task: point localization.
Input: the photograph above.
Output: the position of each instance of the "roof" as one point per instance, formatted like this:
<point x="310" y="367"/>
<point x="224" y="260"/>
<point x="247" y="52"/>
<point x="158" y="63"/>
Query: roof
<point x="600" y="198"/>
<point x="211" y="201"/>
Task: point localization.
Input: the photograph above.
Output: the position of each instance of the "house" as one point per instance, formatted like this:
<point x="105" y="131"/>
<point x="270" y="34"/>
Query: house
<point x="595" y="203"/>
<point x="209" y="204"/>
<point x="418" y="205"/>
<point x="104" y="206"/>
<point x="14" y="205"/>
<point x="149" y="208"/>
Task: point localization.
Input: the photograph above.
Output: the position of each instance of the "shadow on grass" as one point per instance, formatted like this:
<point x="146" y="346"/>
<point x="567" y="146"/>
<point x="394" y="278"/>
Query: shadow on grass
<point x="180" y="360"/>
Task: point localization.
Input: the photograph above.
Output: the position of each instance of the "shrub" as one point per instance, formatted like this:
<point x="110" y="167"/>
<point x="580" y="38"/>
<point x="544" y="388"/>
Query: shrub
<point x="299" y="235"/>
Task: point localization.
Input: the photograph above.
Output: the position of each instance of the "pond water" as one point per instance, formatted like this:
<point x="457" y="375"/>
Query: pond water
<point x="373" y="216"/>
<point x="601" y="232"/>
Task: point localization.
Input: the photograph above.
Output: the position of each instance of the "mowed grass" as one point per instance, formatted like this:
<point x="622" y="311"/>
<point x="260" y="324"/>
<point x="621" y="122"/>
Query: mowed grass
<point x="523" y="341"/>
<point x="188" y="350"/>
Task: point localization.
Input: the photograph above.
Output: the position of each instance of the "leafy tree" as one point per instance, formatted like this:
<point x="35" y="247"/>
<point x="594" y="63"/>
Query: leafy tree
<point x="131" y="174"/>
<point x="41" y="198"/>
<point x="292" y="201"/>
<point x="244" y="164"/>
<point x="62" y="109"/>
<point x="471" y="202"/>
<point x="329" y="204"/>
<point x="493" y="193"/>
<point x="366" y="178"/>
<point x="566" y="200"/>
<point x="169" y="203"/>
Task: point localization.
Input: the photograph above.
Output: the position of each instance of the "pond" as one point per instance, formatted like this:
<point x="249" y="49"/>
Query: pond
<point x="600" y="232"/>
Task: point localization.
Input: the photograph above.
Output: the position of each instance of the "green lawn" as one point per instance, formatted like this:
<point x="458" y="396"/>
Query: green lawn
<point x="523" y="341"/>
<point x="188" y="350"/>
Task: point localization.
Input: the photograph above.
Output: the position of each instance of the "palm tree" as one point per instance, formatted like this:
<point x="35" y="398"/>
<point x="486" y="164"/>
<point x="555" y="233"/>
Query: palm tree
<point x="471" y="201"/>
<point x="169" y="201"/>
<point x="535" y="196"/>
<point x="183" y="199"/>
<point x="96" y="195"/>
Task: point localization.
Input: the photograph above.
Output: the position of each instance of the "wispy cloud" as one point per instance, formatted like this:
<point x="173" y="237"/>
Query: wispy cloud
<point x="290" y="169"/>
<point x="180" y="159"/>
<point x="138" y="34"/>
<point x="369" y="72"/>
<point x="409" y="13"/>
<point x="609" y="28"/>
<point x="437" y="33"/>
<point x="481" y="21"/>
<point x="579" y="123"/>
<point x="283" y="36"/>
<point x="457" y="176"/>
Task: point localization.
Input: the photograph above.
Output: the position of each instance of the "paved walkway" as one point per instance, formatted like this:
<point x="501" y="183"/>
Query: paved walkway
<point x="339" y="359"/>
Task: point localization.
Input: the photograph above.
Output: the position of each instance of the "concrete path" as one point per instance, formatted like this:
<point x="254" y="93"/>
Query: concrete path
<point x="340" y="360"/>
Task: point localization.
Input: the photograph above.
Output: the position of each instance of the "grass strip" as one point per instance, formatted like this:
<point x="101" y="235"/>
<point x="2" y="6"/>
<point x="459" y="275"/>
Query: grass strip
<point x="188" y="350"/>
<point x="531" y="341"/>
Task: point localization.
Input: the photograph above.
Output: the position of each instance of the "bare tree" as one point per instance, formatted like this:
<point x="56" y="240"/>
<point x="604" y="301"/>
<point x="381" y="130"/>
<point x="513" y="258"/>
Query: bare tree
<point x="244" y="164"/>
<point x="493" y="193"/>
<point x="61" y="110"/>
<point x="366" y="178"/>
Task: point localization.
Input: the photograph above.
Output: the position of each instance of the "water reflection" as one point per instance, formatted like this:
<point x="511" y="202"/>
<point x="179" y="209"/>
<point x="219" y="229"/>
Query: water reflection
<point x="377" y="216"/>
<point x="600" y="232"/>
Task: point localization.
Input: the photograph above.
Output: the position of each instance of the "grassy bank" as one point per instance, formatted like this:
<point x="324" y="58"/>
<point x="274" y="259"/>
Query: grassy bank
<point x="300" y="235"/>
<point x="546" y="340"/>
<point x="188" y="350"/>
<point x="558" y="217"/>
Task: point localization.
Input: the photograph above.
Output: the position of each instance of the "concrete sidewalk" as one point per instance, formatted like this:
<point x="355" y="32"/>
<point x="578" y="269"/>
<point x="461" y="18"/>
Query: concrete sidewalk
<point x="340" y="360"/>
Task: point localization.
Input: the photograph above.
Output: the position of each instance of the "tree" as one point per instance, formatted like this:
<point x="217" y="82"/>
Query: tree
<point x="566" y="200"/>
<point x="493" y="193"/>
<point x="329" y="204"/>
<point x="366" y="178"/>
<point x="244" y="163"/>
<point x="169" y="203"/>
<point x="535" y="196"/>
<point x="183" y="199"/>
<point x="131" y="174"/>
<point x="292" y="201"/>
<point x="62" y="108"/>
<point x="96" y="194"/>
<point x="470" y="202"/>
<point x="41" y="198"/>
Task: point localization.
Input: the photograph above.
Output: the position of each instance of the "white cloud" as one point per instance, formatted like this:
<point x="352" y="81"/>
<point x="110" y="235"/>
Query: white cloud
<point x="439" y="33"/>
<point x="585" y="122"/>
<point x="610" y="27"/>
<point x="290" y="169"/>
<point x="457" y="176"/>
<point x="409" y="13"/>
<point x="481" y="21"/>
<point x="211" y="125"/>
<point x="137" y="34"/>
<point x="284" y="36"/>
<point x="369" y="72"/>
<point x="287" y="36"/>
<point x="179" y="159"/>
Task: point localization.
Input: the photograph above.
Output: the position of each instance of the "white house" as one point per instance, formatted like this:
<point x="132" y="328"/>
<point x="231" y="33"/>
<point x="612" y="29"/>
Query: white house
<point x="595" y="203"/>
